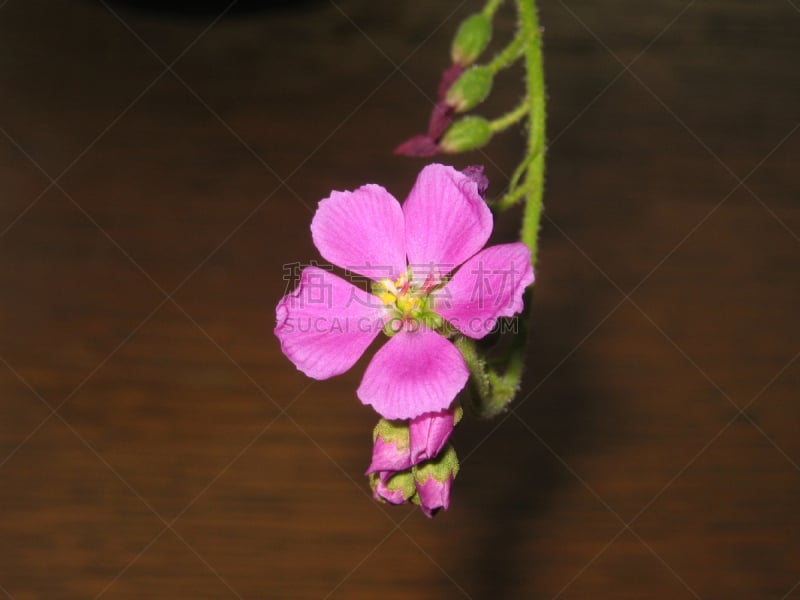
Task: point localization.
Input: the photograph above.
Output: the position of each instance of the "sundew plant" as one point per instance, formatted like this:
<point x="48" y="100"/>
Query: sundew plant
<point x="436" y="288"/>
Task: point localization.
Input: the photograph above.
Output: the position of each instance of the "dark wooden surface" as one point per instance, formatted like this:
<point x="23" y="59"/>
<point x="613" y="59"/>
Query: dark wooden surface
<point x="156" y="444"/>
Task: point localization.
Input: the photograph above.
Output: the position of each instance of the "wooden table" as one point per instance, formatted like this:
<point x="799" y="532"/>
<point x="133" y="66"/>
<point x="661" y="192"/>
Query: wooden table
<point x="160" y="170"/>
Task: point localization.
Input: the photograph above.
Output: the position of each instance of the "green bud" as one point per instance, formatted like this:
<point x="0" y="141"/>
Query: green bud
<point x="471" y="39"/>
<point x="470" y="89"/>
<point x="466" y="134"/>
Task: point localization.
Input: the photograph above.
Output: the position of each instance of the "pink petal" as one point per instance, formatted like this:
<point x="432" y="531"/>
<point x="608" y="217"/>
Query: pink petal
<point x="362" y="231"/>
<point x="414" y="373"/>
<point x="441" y="118"/>
<point x="434" y="495"/>
<point x="449" y="77"/>
<point x="447" y="221"/>
<point x="383" y="485"/>
<point x="325" y="325"/>
<point x="486" y="287"/>
<point x="428" y="434"/>
<point x="475" y="172"/>
<point x="419" y="145"/>
<point x="387" y="457"/>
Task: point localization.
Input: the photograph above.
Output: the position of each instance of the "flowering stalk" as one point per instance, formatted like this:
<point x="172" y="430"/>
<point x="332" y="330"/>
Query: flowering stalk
<point x="494" y="390"/>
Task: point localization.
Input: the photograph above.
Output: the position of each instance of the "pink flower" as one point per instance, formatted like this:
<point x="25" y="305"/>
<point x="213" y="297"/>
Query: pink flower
<point x="412" y="254"/>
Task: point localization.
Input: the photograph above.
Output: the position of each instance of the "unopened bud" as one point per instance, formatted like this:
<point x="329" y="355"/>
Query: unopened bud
<point x="470" y="89"/>
<point x="393" y="488"/>
<point x="434" y="480"/>
<point x="391" y="447"/>
<point x="471" y="39"/>
<point x="466" y="134"/>
<point x="429" y="433"/>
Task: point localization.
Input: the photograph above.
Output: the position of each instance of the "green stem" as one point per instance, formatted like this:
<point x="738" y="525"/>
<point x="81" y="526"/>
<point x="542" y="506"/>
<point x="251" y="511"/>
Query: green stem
<point x="534" y="175"/>
<point x="507" y="120"/>
<point x="495" y="391"/>
<point x="509" y="54"/>
<point x="491" y="7"/>
<point x="510" y="199"/>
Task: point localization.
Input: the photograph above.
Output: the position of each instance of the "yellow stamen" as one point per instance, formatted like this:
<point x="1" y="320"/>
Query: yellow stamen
<point x="387" y="298"/>
<point x="388" y="285"/>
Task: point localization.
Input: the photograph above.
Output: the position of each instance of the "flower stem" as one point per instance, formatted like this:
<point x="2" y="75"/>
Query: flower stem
<point x="491" y="7"/>
<point x="507" y="120"/>
<point x="534" y="175"/>
<point x="509" y="55"/>
<point x="494" y="390"/>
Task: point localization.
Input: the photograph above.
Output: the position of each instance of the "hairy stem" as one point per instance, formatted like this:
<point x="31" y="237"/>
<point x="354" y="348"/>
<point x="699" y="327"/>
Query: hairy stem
<point x="534" y="175"/>
<point x="510" y="118"/>
<point x="494" y="390"/>
<point x="491" y="7"/>
<point x="509" y="55"/>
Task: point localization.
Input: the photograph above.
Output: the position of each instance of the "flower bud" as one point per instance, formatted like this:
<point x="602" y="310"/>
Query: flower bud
<point x="391" y="448"/>
<point x="471" y="39"/>
<point x="391" y="487"/>
<point x="429" y="433"/>
<point x="470" y="89"/>
<point x="433" y="481"/>
<point x="466" y="134"/>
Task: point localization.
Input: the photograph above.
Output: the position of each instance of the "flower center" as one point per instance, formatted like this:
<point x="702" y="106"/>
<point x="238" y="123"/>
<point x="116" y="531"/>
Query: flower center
<point x="408" y="301"/>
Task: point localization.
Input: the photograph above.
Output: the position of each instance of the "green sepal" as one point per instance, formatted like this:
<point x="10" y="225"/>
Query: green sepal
<point x="402" y="481"/>
<point x="392" y="432"/>
<point x="432" y="320"/>
<point x="458" y="414"/>
<point x="471" y="39"/>
<point x="441" y="468"/>
<point x="469" y="133"/>
<point x="388" y="329"/>
<point x="470" y="89"/>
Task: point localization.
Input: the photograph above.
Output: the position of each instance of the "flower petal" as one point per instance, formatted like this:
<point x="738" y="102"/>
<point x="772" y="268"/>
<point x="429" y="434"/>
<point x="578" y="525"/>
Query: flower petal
<point x="486" y="287"/>
<point x="414" y="373"/>
<point x="419" y="146"/>
<point x="449" y="77"/>
<point x="428" y="434"/>
<point x="325" y="325"/>
<point x="447" y="221"/>
<point x="387" y="456"/>
<point x="434" y="495"/>
<point x="362" y="231"/>
<point x="441" y="118"/>
<point x="392" y="487"/>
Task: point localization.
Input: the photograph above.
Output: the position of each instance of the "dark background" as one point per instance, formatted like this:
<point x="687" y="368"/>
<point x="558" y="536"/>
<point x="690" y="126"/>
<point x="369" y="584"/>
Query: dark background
<point x="158" y="170"/>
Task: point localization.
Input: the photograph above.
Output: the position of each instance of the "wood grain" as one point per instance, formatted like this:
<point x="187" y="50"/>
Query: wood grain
<point x="155" y="443"/>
